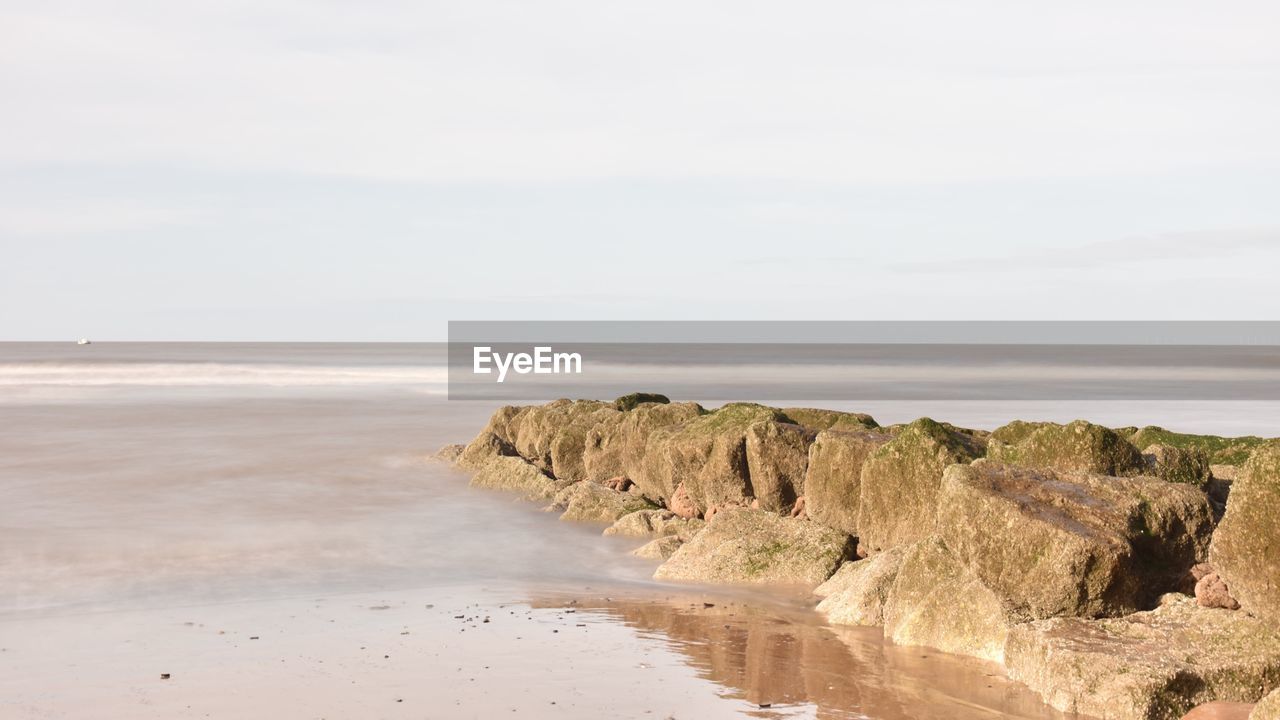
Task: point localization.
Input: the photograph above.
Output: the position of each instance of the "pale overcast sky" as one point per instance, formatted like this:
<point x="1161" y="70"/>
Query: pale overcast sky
<point x="289" y="169"/>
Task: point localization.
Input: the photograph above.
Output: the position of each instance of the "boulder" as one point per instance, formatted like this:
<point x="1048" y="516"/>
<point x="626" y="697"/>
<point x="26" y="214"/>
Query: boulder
<point x="1050" y="543"/>
<point x="1175" y="464"/>
<point x="937" y="602"/>
<point x="634" y="400"/>
<point x="1219" y="450"/>
<point x="558" y="428"/>
<point x="1268" y="708"/>
<point x="857" y="593"/>
<point x="777" y="459"/>
<point x="633" y="436"/>
<point x="568" y="444"/>
<point x="1076" y="447"/>
<point x="486" y="446"/>
<point x="654" y="523"/>
<point x="898" y="497"/>
<point x="591" y="502"/>
<point x="817" y="419"/>
<point x="740" y="545"/>
<point x="1153" y="665"/>
<point x="660" y="548"/>
<point x="516" y="475"/>
<point x="1246" y="545"/>
<point x="602" y="448"/>
<point x="707" y="453"/>
<point x="681" y="505"/>
<point x="1212" y="592"/>
<point x="449" y="453"/>
<point x="1224" y="472"/>
<point x="833" y="483"/>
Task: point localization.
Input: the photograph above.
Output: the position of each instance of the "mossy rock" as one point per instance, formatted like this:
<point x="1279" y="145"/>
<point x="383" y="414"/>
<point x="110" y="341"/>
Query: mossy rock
<point x="592" y="502"/>
<point x="740" y="545"/>
<point x="537" y="427"/>
<point x="1246" y="545"/>
<point x="1220" y="450"/>
<point x="1189" y="465"/>
<point x="633" y="435"/>
<point x="1152" y="665"/>
<point x="898" y="496"/>
<point x="777" y="461"/>
<point x="818" y="419"/>
<point x="486" y="446"/>
<point x="1079" y="446"/>
<point x="833" y="483"/>
<point x="1051" y="544"/>
<point x="635" y="400"/>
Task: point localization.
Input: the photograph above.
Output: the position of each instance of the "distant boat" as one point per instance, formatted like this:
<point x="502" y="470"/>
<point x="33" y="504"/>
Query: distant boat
<point x="82" y="341"/>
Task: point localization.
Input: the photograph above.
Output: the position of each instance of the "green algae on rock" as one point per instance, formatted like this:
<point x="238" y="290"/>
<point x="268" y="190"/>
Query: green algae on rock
<point x="819" y="419"/>
<point x="833" y="483"/>
<point x="1188" y="465"/>
<point x="636" y="399"/>
<point x="898" y="496"/>
<point x="1153" y="665"/>
<point x="1078" y="446"/>
<point x="1246" y="545"/>
<point x="1220" y="450"/>
<point x="741" y="545"/>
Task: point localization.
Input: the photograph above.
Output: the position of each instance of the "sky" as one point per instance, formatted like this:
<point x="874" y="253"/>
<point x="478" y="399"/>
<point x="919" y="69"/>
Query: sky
<point x="322" y="170"/>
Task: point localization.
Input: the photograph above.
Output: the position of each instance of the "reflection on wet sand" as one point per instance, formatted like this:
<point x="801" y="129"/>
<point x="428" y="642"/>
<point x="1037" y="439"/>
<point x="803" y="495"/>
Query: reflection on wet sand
<point x="785" y="660"/>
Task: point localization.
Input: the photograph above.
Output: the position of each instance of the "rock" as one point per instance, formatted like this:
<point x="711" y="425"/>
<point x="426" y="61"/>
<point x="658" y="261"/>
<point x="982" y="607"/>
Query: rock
<point x="634" y="432"/>
<point x="1050" y="543"/>
<point x="1076" y="447"/>
<point x="634" y="400"/>
<point x="857" y="593"/>
<point x="568" y="444"/>
<point x="486" y="446"/>
<point x="777" y="459"/>
<point x="1175" y="464"/>
<point x="450" y="453"/>
<point x="1268" y="708"/>
<point x="937" y="602"/>
<point x="799" y="510"/>
<point x="1212" y="592"/>
<point x="817" y="419"/>
<point x="833" y="483"/>
<point x="603" y="449"/>
<point x="515" y="474"/>
<point x="654" y="523"/>
<point x="1224" y="472"/>
<point x="707" y="453"/>
<point x="1246" y="545"/>
<point x="681" y="505"/>
<point x="1153" y="665"/>
<point x="545" y="434"/>
<point x="899" y="484"/>
<point x="753" y="546"/>
<point x="660" y="548"/>
<point x="592" y="502"/>
<point x="1219" y="450"/>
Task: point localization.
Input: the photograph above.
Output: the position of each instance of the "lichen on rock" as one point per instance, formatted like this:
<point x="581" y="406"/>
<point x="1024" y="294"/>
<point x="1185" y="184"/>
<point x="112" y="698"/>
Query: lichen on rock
<point x="1188" y="465"/>
<point x="1078" y="446"/>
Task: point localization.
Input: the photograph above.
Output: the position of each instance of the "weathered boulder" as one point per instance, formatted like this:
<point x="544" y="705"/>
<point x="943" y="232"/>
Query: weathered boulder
<point x="592" y="502"/>
<point x="1175" y="464"/>
<point x="545" y="434"/>
<point x="1212" y="592"/>
<point x="1153" y="665"/>
<point x="777" y="459"/>
<point x="568" y="444"/>
<point x="858" y="592"/>
<point x="740" y="545"/>
<point x="1246" y="545"/>
<point x="654" y="523"/>
<point x="660" y="548"/>
<point x="1076" y="447"/>
<point x="449" y="453"/>
<point x="632" y="434"/>
<point x="634" y="400"/>
<point x="898" y="497"/>
<point x="1268" y="708"/>
<point x="603" y="448"/>
<point x="504" y="472"/>
<point x="833" y="483"/>
<point x="486" y="446"/>
<point x="1219" y="450"/>
<point x="1049" y="543"/>
<point x="817" y="419"/>
<point x="681" y="505"/>
<point x="707" y="453"/>
<point x="937" y="602"/>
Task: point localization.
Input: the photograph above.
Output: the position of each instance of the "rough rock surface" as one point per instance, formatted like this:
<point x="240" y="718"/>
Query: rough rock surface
<point x="740" y="545"/>
<point x="1268" y="708"/>
<point x="486" y="446"/>
<point x="449" y="453"/>
<point x="660" y="548"/>
<point x="1175" y="464"/>
<point x="1212" y="592"/>
<point x="937" y="602"/>
<point x="1053" y="544"/>
<point x="556" y="432"/>
<point x="591" y="502"/>
<point x="654" y="523"/>
<point x="1219" y="450"/>
<point x="603" y="448"/>
<point x="857" y="593"/>
<point x="817" y="419"/>
<point x="634" y="400"/>
<point x="1153" y="665"/>
<point x="1076" y="447"/>
<point x="634" y="431"/>
<point x="517" y="475"/>
<point x="681" y="505"/>
<point x="708" y="454"/>
<point x="1246" y="545"/>
<point x="900" y="480"/>
<point x="833" y="484"/>
<point x="777" y="460"/>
